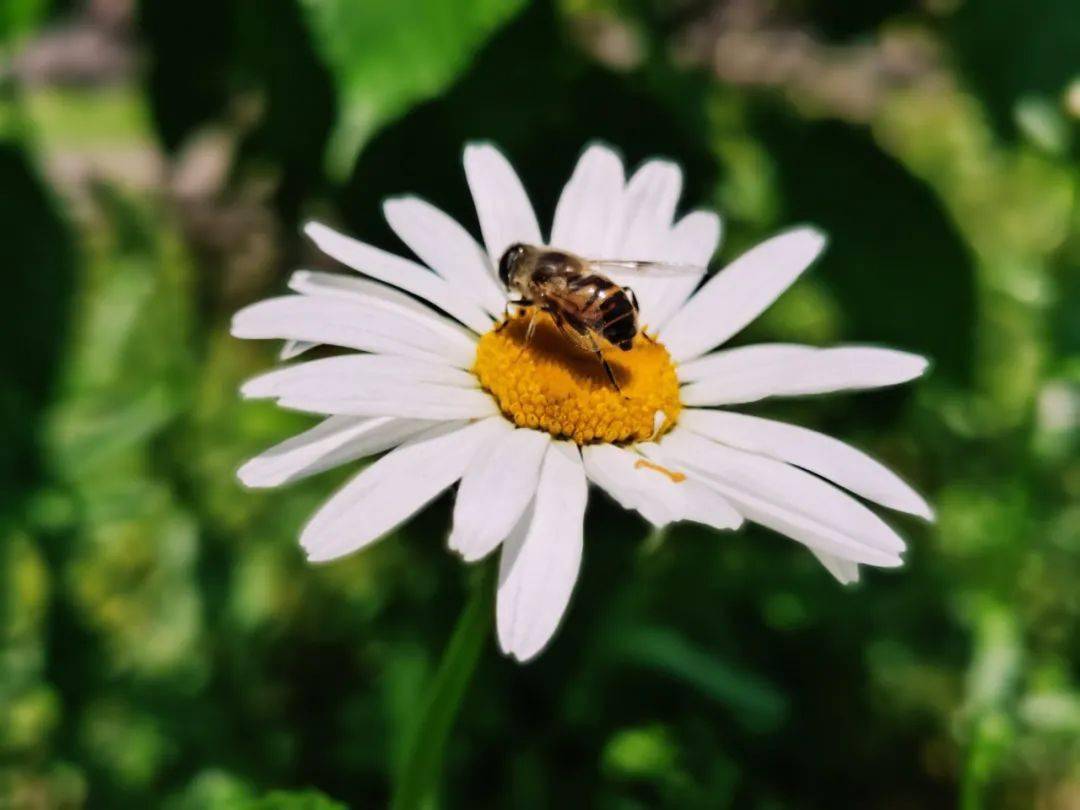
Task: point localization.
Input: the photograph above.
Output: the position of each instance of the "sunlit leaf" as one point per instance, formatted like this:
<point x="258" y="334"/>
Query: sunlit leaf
<point x="388" y="56"/>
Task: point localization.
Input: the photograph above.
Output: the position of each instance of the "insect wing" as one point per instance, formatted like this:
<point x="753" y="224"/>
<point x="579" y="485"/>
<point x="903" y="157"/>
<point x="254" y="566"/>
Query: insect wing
<point x="618" y="269"/>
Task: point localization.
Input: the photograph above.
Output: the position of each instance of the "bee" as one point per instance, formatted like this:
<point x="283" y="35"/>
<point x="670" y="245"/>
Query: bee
<point x="587" y="307"/>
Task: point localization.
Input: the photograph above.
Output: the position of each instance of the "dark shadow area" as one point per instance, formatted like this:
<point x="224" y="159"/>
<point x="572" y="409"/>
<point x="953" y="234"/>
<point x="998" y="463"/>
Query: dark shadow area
<point x="1011" y="51"/>
<point x="38" y="258"/>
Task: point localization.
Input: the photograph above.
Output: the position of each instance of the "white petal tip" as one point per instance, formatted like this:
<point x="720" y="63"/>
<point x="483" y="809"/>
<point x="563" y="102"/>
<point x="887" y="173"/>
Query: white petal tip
<point x="803" y="244"/>
<point x="523" y="649"/>
<point x="317" y="555"/>
<point x="392" y="206"/>
<point x="911" y="503"/>
<point x="816" y="238"/>
<point x="477" y="150"/>
<point x="466" y="553"/>
<point x="599" y="150"/>
<point x="251" y="390"/>
<point x="252" y="477"/>
<point x="520" y="653"/>
<point x="314" y="230"/>
<point x="237" y="326"/>
<point x="907" y="367"/>
<point x="924" y="511"/>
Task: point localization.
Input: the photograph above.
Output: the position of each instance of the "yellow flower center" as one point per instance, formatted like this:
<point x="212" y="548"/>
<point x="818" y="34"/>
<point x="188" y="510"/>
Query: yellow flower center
<point x="554" y="385"/>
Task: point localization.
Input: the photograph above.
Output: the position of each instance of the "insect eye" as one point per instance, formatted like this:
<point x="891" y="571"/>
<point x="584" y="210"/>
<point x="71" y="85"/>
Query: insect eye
<point x="506" y="263"/>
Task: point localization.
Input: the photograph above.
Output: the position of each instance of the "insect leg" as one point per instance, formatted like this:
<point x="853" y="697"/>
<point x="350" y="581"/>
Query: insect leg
<point x="584" y="338"/>
<point x="530" y="331"/>
<point x="576" y="333"/>
<point x="560" y="324"/>
<point x="532" y="326"/>
<point x="603" y="361"/>
<point x="522" y="305"/>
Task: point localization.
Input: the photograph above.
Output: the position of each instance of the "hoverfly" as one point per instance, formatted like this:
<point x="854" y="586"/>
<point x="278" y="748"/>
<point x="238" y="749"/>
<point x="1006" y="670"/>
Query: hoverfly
<point x="584" y="303"/>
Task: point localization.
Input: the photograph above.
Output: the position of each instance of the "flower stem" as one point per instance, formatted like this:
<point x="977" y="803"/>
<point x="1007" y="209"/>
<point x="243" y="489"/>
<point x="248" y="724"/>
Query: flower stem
<point x="422" y="766"/>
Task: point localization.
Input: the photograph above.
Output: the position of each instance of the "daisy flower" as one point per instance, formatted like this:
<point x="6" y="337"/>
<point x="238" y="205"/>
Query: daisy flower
<point x="449" y="393"/>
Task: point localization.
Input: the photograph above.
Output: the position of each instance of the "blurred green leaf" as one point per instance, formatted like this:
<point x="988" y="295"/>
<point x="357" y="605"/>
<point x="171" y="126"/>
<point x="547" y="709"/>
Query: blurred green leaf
<point x="290" y="800"/>
<point x="642" y="753"/>
<point x="386" y="57"/>
<point x="756" y="702"/>
<point x="422" y="764"/>
<point x="19" y="17"/>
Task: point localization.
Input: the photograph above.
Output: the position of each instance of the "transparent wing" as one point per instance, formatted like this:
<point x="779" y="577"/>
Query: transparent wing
<point x="632" y="269"/>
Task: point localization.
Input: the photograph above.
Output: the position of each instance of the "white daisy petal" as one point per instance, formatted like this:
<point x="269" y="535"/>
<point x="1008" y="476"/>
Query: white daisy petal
<point x="708" y="507"/>
<point x="692" y="241"/>
<point x="420" y="401"/>
<point x="399" y="272"/>
<point x="541" y="557"/>
<point x="345" y="375"/>
<point x="845" y="571"/>
<point x="393" y="489"/>
<point x="815" y="452"/>
<point x="695" y="238"/>
<point x="375" y="385"/>
<point x="743" y="361"/>
<point x="648" y="210"/>
<point x="740" y="292"/>
<point x="495" y="491"/>
<point x="750" y="373"/>
<point x="787" y="500"/>
<point x="612" y="469"/>
<point x="589" y="209"/>
<point x="447" y="248"/>
<point x="334" y="441"/>
<point x="636" y="484"/>
<point x="295" y="348"/>
<point x="382" y="297"/>
<point x="412" y="399"/>
<point x="502" y="206"/>
<point x="352" y="288"/>
<point x="366" y="325"/>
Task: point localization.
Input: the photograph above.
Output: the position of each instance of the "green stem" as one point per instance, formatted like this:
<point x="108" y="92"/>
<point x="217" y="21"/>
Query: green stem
<point x="422" y="765"/>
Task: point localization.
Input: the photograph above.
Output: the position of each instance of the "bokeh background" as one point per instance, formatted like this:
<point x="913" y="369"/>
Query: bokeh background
<point x="162" y="641"/>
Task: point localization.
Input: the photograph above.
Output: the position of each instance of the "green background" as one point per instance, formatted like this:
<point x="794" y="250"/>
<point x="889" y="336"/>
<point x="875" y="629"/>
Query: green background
<point x="162" y="641"/>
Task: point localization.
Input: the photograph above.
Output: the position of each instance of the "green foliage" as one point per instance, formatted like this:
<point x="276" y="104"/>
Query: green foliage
<point x="386" y="57"/>
<point x="19" y="17"/>
<point x="162" y="641"/>
<point x="419" y="774"/>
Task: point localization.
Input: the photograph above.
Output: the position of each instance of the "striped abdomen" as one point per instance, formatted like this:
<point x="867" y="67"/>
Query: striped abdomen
<point x="607" y="309"/>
